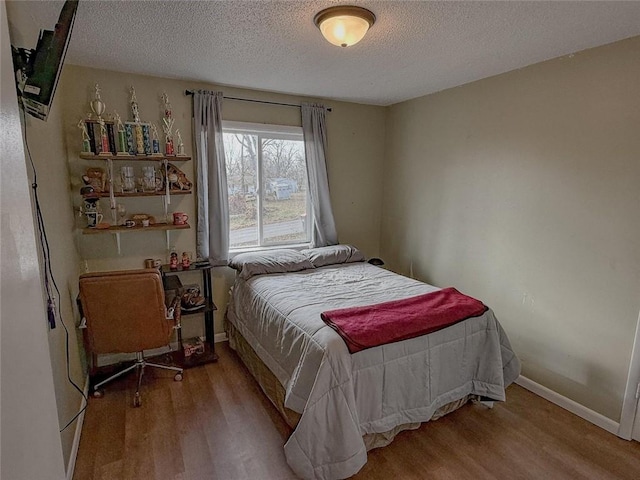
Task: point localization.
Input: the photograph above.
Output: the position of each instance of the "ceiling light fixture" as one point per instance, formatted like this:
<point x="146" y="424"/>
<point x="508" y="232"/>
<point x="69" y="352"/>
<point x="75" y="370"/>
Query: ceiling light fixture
<point x="344" y="25"/>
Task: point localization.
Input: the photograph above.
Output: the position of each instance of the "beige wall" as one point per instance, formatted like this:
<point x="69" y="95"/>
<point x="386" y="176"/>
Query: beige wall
<point x="30" y="444"/>
<point x="355" y="156"/>
<point x="48" y="152"/>
<point x="524" y="190"/>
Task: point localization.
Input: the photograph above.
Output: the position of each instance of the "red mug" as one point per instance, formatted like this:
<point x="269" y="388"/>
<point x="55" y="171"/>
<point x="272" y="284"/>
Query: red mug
<point x="180" y="218"/>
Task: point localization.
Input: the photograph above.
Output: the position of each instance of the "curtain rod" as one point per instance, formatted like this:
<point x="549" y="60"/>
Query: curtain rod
<point x="190" y="92"/>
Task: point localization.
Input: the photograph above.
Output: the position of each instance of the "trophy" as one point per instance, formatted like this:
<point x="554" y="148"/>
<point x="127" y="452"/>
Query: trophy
<point x="122" y="142"/>
<point x="167" y="126"/>
<point x="86" y="144"/>
<point x="155" y="147"/>
<point x="138" y="136"/>
<point x="180" y="144"/>
<point x="104" y="139"/>
<point x="98" y="107"/>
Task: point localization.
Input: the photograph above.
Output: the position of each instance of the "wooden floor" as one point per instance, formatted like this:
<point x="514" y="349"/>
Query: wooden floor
<point x="216" y="424"/>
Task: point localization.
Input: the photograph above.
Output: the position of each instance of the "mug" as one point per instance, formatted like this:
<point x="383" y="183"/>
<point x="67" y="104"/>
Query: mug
<point x="180" y="218"/>
<point x="149" y="263"/>
<point x="93" y="219"/>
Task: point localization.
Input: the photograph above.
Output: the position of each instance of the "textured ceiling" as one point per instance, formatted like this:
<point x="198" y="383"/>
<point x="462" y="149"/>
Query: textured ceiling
<point x="414" y="48"/>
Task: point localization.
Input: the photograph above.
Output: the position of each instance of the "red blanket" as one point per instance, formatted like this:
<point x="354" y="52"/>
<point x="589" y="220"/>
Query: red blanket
<point x="373" y="325"/>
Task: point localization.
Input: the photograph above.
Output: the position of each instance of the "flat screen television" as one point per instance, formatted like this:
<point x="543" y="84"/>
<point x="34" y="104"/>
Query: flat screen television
<point x="38" y="70"/>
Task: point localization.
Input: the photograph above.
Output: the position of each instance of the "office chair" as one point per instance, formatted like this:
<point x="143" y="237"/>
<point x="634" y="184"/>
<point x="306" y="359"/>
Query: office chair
<point x="125" y="312"/>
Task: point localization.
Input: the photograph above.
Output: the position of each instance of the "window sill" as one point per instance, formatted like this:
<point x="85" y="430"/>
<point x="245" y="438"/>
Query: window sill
<point x="294" y="246"/>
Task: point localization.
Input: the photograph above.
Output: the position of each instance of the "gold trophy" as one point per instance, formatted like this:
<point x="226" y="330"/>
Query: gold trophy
<point x="98" y="107"/>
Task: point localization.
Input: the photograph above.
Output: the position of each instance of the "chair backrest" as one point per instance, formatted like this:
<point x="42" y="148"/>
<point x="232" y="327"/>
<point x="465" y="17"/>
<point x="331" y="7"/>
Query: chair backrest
<point x="124" y="311"/>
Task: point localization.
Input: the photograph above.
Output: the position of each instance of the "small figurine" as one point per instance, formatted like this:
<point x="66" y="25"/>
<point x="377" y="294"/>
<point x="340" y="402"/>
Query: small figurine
<point x="173" y="262"/>
<point x="186" y="260"/>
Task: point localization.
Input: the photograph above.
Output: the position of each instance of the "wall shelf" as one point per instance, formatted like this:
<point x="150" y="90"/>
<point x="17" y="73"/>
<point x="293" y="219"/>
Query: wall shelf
<point x="160" y="193"/>
<point x="134" y="158"/>
<point x="116" y="230"/>
<point x="166" y="195"/>
<point x="120" y="229"/>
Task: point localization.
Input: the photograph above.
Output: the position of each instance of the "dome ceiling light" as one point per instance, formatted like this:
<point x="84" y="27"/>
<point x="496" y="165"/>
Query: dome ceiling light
<point x="344" y="25"/>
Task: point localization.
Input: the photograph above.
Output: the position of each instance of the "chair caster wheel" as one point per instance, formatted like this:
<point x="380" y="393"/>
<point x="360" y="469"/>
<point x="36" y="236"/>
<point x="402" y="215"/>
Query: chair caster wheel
<point x="136" y="400"/>
<point x="178" y="377"/>
<point x="97" y="394"/>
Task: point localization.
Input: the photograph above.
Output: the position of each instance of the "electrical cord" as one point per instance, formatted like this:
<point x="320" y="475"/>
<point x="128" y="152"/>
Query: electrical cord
<point x="49" y="279"/>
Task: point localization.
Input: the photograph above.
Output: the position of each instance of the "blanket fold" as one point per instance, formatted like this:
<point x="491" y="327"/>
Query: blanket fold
<point x="372" y="325"/>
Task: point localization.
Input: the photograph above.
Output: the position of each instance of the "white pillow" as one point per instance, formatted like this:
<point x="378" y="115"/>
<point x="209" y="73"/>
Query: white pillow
<point x="269" y="261"/>
<point x="333" y="254"/>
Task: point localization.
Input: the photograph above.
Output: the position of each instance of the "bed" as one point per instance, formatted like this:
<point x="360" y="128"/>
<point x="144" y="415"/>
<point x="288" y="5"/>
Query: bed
<point x="341" y="404"/>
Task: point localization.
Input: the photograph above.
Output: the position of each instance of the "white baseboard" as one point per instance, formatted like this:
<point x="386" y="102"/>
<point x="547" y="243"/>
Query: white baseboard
<point x="71" y="465"/>
<point x="220" y="337"/>
<point x="568" y="404"/>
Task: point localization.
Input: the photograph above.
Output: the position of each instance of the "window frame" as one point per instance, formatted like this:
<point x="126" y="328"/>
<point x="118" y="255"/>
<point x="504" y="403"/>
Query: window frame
<point x="279" y="132"/>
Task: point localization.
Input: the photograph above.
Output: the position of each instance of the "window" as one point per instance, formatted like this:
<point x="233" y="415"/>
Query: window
<point x="267" y="185"/>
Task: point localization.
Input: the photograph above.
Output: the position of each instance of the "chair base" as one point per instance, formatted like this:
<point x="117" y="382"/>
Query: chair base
<point x="139" y="366"/>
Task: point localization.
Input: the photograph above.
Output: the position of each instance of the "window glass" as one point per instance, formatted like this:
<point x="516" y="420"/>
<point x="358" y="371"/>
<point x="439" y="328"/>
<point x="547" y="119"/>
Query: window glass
<point x="267" y="185"/>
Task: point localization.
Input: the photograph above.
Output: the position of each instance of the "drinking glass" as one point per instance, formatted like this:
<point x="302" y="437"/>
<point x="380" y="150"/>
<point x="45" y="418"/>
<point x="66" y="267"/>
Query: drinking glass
<point x="128" y="179"/>
<point x="148" y="179"/>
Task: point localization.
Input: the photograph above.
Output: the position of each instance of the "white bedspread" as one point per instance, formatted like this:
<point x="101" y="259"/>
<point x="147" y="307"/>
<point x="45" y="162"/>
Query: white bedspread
<point x="343" y="396"/>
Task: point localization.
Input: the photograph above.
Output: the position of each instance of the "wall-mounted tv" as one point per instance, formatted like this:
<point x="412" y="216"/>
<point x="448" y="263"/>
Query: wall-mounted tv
<point x="38" y="70"/>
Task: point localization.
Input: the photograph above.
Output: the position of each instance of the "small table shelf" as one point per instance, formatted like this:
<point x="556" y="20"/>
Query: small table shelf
<point x="172" y="282"/>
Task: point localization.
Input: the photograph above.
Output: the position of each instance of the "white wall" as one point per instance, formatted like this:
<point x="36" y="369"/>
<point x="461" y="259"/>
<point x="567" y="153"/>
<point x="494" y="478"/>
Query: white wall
<point x="30" y="443"/>
<point x="523" y="190"/>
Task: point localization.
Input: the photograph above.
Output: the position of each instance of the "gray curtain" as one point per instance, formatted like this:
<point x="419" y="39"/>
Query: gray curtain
<point x="212" y="239"/>
<point x="314" y="129"/>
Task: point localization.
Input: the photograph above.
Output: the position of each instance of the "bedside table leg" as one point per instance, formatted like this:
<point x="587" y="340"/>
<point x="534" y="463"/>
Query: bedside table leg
<point x="208" y="316"/>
